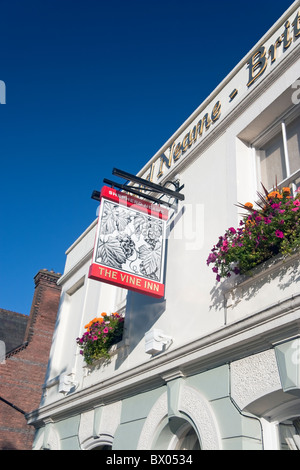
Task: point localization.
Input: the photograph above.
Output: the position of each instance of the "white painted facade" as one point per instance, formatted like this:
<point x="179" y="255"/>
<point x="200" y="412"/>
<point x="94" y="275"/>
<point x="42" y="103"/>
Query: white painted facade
<point x="217" y="384"/>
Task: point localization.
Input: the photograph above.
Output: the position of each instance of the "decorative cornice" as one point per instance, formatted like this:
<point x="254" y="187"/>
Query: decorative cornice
<point x="172" y="375"/>
<point x="49" y="277"/>
<point x="16" y="350"/>
<point x="87" y="257"/>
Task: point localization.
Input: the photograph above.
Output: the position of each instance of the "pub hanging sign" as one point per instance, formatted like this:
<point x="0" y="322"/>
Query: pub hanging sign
<point x="129" y="248"/>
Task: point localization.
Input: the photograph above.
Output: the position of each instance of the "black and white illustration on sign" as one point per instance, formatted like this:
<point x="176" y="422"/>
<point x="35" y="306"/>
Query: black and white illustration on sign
<point x="130" y="240"/>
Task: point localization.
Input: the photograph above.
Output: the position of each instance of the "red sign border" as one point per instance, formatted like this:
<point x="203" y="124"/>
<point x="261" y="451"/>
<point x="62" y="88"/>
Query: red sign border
<point x="117" y="277"/>
<point x="128" y="281"/>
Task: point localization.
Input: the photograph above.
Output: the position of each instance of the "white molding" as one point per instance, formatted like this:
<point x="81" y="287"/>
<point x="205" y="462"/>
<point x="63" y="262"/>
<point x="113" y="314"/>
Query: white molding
<point x="87" y="257"/>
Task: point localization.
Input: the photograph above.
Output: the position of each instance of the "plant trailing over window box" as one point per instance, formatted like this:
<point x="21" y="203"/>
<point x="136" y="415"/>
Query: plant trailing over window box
<point x="271" y="229"/>
<point x="101" y="334"/>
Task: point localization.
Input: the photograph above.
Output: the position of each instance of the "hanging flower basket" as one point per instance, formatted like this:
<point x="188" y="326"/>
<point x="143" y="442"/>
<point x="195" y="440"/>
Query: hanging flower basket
<point x="101" y="333"/>
<point x="271" y="229"/>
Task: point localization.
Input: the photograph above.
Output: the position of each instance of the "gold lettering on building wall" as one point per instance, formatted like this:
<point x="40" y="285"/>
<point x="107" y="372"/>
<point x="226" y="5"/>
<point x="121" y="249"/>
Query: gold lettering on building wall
<point x="257" y="64"/>
<point x="259" y="60"/>
<point x="176" y="150"/>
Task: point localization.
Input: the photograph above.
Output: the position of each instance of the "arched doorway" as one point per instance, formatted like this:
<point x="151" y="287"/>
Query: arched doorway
<point x="177" y="434"/>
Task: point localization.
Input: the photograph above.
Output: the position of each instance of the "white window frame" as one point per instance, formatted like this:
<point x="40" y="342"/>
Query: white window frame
<point x="279" y="125"/>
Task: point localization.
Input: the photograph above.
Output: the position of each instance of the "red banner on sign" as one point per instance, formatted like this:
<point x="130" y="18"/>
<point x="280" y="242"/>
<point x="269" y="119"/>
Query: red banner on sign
<point x="134" y="202"/>
<point x="130" y="243"/>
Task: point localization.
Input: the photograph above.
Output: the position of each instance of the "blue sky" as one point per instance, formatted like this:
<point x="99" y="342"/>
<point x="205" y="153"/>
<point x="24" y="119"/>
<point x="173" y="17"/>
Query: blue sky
<point x="92" y="85"/>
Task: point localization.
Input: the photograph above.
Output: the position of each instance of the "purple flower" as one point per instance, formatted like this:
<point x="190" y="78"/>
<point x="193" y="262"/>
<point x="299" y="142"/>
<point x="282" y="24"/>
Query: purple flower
<point x="232" y="230"/>
<point x="267" y="220"/>
<point x="224" y="247"/>
<point x="279" y="234"/>
<point x="211" y="259"/>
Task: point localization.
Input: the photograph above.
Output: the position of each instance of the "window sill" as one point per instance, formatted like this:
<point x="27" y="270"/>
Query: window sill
<point x="269" y="283"/>
<point x="99" y="363"/>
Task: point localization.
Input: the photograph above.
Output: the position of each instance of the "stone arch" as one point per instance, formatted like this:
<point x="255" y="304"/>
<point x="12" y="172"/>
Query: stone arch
<point x="191" y="406"/>
<point x="156" y="416"/>
<point x="98" y="426"/>
<point x="194" y="405"/>
<point x="103" y="442"/>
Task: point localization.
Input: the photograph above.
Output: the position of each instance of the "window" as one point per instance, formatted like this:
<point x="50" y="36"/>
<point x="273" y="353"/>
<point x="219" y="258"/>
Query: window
<point x="278" y="152"/>
<point x="289" y="434"/>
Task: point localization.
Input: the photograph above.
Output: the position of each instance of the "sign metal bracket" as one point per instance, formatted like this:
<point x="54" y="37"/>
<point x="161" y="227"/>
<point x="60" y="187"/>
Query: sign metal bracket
<point x="144" y="185"/>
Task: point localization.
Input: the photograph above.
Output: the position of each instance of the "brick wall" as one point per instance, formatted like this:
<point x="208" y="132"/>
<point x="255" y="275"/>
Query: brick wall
<point x="23" y="373"/>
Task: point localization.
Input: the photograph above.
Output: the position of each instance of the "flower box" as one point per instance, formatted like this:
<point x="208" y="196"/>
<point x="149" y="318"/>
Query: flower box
<point x="272" y="228"/>
<point x="102" y="334"/>
<point x="270" y="283"/>
<point x="260" y="259"/>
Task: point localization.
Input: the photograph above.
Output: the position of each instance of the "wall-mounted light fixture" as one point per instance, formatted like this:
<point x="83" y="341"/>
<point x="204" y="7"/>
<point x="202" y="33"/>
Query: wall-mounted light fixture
<point x="156" y="341"/>
<point x="66" y="383"/>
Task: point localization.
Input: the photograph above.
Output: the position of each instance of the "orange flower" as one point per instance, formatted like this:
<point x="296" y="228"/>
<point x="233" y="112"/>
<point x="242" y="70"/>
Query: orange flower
<point x="286" y="191"/>
<point x="274" y="194"/>
<point x="249" y="222"/>
<point x="88" y="326"/>
<point x="103" y="314"/>
<point x="248" y="205"/>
